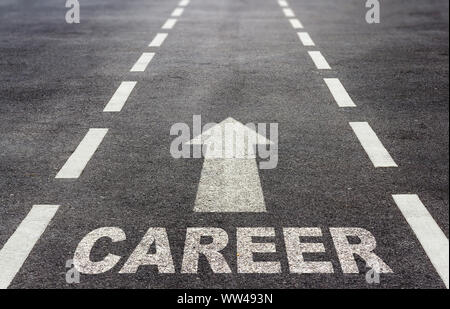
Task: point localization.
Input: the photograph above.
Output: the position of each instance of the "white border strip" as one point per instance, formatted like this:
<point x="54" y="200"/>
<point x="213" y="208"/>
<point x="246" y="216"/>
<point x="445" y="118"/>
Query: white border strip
<point x="169" y="24"/>
<point x="75" y="165"/>
<point x="177" y="12"/>
<point x="339" y="93"/>
<point x="295" y="23"/>
<point x="120" y="97"/>
<point x="288" y="12"/>
<point x="379" y="156"/>
<point x="305" y="39"/>
<point x="430" y="236"/>
<point x="16" y="250"/>
<point x="142" y="63"/>
<point x="319" y="60"/>
<point x="158" y="40"/>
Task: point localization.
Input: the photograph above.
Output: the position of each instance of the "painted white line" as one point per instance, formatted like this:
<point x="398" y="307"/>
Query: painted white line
<point x="19" y="245"/>
<point x="142" y="63"/>
<point x="177" y="12"/>
<point x="319" y="60"/>
<point x="158" y="40"/>
<point x="339" y="93"/>
<point x="305" y="38"/>
<point x="120" y="97"/>
<point x="229" y="181"/>
<point x="430" y="236"/>
<point x="184" y="2"/>
<point x="296" y="24"/>
<point x="288" y="13"/>
<point x="283" y="3"/>
<point x="169" y="24"/>
<point x="76" y="163"/>
<point x="372" y="145"/>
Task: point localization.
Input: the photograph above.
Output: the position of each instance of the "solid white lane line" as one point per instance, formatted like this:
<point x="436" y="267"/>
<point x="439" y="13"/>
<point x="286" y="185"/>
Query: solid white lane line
<point x="158" y="40"/>
<point x="169" y="24"/>
<point x="283" y="3"/>
<point x="120" y="97"/>
<point x="177" y="12"/>
<point x="184" y="2"/>
<point x="296" y="24"/>
<point x="372" y="145"/>
<point x="76" y="163"/>
<point x="430" y="236"/>
<point x="142" y="63"/>
<point x="288" y="13"/>
<point x="19" y="245"/>
<point x="339" y="93"/>
<point x="319" y="60"/>
<point x="305" y="38"/>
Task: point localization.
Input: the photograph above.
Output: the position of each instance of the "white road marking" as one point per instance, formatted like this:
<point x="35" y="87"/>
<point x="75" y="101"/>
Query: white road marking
<point x="184" y="2"/>
<point x="177" y="12"/>
<point x="347" y="250"/>
<point x="283" y="3"/>
<point x="430" y="236"/>
<point x="81" y="257"/>
<point x="339" y="93"/>
<point x="246" y="246"/>
<point x="142" y="63"/>
<point x="211" y="251"/>
<point x="158" y="40"/>
<point x="296" y="24"/>
<point x="230" y="185"/>
<point x="305" y="38"/>
<point x="229" y="180"/>
<point x="120" y="97"/>
<point x="296" y="248"/>
<point x="75" y="165"/>
<point x="19" y="245"/>
<point x="169" y="24"/>
<point x="372" y="145"/>
<point x="319" y="60"/>
<point x="141" y="256"/>
<point x="288" y="13"/>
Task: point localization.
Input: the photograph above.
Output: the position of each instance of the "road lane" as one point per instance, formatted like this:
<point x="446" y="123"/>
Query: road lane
<point x="241" y="60"/>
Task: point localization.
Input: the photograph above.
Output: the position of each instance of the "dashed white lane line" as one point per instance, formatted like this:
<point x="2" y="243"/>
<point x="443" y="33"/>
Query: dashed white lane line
<point x="296" y="24"/>
<point x="319" y="60"/>
<point x="19" y="245"/>
<point x="339" y="93"/>
<point x="305" y="39"/>
<point x="142" y="63"/>
<point x="76" y="163"/>
<point x="282" y="3"/>
<point x="158" y="40"/>
<point x="184" y="2"/>
<point x="372" y="145"/>
<point x="430" y="236"/>
<point x="288" y="12"/>
<point x="120" y="97"/>
<point x="177" y="12"/>
<point x="169" y="24"/>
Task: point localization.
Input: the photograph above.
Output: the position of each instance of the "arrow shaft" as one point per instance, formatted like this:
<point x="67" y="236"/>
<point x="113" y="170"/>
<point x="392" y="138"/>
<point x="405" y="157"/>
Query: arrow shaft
<point x="230" y="185"/>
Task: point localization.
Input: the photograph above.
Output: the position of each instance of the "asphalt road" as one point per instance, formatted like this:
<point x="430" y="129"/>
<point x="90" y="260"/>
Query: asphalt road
<point x="240" y="59"/>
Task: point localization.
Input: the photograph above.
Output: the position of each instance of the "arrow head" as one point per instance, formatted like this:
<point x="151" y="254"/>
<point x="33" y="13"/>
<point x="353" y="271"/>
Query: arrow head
<point x="230" y="139"/>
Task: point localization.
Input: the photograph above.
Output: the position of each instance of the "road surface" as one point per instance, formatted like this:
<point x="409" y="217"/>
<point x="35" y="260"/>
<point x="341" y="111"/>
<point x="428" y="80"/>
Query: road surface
<point x="362" y="164"/>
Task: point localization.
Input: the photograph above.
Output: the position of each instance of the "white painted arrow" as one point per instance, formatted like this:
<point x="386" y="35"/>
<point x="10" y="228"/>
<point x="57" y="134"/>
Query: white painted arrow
<point x="229" y="181"/>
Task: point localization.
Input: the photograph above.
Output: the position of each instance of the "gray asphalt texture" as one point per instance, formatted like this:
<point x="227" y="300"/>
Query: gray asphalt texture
<point x="240" y="59"/>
